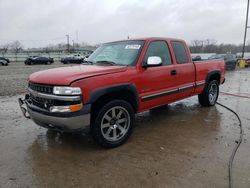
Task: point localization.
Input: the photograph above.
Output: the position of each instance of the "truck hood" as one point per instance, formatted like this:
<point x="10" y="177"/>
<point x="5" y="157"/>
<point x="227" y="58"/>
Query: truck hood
<point x="66" y="75"/>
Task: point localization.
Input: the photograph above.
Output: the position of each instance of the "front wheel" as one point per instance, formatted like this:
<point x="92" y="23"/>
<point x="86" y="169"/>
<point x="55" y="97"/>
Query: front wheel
<point x="113" y="123"/>
<point x="210" y="94"/>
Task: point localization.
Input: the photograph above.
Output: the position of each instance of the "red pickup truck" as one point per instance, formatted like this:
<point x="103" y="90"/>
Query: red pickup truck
<point x="117" y="81"/>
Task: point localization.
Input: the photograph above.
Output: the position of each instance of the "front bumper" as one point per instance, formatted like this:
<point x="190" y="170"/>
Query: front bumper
<point x="65" y="122"/>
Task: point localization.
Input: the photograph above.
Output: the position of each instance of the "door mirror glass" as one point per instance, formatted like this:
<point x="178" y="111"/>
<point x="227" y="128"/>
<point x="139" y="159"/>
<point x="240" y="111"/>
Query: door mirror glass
<point x="154" y="61"/>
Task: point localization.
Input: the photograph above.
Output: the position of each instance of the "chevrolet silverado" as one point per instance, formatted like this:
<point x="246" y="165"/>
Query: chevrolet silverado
<point x="117" y="81"/>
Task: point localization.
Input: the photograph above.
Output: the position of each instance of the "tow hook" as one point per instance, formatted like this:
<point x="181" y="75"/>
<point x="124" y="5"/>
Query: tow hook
<point x="23" y="109"/>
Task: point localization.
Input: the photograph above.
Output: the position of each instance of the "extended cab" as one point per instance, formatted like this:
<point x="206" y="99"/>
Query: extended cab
<point x="119" y="80"/>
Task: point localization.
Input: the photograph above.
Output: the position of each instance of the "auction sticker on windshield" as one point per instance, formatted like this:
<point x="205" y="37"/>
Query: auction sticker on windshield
<point x="133" y="46"/>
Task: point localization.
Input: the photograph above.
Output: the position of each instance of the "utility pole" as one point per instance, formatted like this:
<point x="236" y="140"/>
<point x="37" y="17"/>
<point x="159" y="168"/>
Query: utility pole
<point x="245" y="35"/>
<point x="127" y="34"/>
<point x="67" y="41"/>
<point x="77" y="39"/>
<point x="73" y="45"/>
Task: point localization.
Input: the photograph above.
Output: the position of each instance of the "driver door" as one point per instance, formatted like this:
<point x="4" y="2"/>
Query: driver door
<point x="157" y="83"/>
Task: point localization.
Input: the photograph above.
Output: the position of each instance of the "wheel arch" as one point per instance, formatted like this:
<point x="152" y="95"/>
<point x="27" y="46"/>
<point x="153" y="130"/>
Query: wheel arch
<point x="127" y="92"/>
<point x="213" y="75"/>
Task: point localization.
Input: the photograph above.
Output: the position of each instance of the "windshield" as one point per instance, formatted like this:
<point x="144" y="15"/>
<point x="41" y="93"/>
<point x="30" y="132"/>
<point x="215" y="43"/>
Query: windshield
<point x="117" y="53"/>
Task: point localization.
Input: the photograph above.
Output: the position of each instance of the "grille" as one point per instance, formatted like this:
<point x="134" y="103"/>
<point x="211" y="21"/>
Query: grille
<point x="41" y="88"/>
<point x="47" y="103"/>
<point x="40" y="102"/>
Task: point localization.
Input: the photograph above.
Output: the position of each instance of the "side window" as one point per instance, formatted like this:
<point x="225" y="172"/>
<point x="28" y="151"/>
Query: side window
<point x="180" y="52"/>
<point x="159" y="48"/>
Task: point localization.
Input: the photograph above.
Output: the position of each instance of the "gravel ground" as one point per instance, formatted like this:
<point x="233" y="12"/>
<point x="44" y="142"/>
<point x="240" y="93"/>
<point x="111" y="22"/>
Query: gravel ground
<point x="13" y="78"/>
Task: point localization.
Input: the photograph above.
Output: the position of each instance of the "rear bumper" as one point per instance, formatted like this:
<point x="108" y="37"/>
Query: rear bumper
<point x="66" y="122"/>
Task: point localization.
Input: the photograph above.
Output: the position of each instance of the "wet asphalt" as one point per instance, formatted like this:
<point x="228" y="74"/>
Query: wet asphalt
<point x="182" y="145"/>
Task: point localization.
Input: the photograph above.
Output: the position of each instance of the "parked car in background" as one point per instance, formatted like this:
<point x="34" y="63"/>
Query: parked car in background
<point x="247" y="62"/>
<point x="230" y="60"/>
<point x="76" y="58"/>
<point x="196" y="58"/>
<point x="38" y="60"/>
<point x="5" y="59"/>
<point x="3" y="62"/>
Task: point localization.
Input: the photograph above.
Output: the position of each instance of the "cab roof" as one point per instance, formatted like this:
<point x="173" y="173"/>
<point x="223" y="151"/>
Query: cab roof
<point x="151" y="38"/>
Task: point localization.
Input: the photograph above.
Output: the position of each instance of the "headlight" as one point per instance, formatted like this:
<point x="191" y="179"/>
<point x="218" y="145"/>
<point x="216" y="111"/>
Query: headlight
<point x="58" y="90"/>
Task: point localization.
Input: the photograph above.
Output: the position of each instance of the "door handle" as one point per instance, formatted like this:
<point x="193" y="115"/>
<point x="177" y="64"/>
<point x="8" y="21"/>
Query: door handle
<point x="173" y="72"/>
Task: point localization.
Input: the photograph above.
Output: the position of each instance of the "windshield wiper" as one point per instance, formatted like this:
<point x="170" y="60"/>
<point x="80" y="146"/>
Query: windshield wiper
<point x="87" y="62"/>
<point x="106" y="62"/>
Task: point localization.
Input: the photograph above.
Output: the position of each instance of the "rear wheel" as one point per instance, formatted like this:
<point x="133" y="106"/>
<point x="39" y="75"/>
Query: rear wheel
<point x="210" y="94"/>
<point x="113" y="123"/>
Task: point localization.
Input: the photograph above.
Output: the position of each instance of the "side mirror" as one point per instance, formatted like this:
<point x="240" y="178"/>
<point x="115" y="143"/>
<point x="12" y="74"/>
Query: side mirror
<point x="153" y="61"/>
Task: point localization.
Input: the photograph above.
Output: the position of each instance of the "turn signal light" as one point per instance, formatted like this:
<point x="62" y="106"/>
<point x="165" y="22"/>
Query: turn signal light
<point x="76" y="107"/>
<point x="71" y="108"/>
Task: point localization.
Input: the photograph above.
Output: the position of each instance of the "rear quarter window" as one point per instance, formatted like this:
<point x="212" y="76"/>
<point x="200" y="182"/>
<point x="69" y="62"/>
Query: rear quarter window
<point x="180" y="52"/>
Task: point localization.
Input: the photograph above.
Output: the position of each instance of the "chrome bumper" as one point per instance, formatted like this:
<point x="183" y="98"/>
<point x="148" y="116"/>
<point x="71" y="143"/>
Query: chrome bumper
<point x="66" y="122"/>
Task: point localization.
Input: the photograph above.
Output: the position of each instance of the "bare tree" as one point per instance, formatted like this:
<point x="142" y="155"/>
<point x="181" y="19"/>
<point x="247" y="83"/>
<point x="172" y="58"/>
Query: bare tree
<point x="16" y="46"/>
<point x="196" y="46"/>
<point x="4" y="48"/>
<point x="209" y="42"/>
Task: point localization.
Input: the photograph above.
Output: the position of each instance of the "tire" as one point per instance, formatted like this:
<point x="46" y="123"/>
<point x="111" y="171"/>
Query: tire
<point x="109" y="130"/>
<point x="48" y="63"/>
<point x="210" y="94"/>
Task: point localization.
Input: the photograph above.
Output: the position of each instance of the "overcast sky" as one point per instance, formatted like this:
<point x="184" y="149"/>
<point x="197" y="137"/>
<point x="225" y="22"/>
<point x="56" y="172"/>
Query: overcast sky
<point x="37" y="23"/>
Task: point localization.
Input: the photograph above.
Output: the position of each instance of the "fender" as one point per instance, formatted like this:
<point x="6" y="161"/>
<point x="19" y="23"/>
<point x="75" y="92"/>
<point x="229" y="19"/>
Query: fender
<point x="211" y="73"/>
<point x="96" y="94"/>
